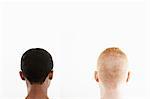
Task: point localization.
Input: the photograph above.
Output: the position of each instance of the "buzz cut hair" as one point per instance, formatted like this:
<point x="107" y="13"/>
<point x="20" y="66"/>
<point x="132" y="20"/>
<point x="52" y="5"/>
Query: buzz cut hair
<point x="112" y="65"/>
<point x="36" y="64"/>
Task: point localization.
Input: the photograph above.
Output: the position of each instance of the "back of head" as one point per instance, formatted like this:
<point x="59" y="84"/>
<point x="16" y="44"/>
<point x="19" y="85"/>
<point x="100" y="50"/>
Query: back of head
<point x="36" y="64"/>
<point x="112" y="67"/>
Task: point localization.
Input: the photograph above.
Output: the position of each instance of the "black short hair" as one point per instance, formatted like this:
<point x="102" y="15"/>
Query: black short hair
<point x="36" y="64"/>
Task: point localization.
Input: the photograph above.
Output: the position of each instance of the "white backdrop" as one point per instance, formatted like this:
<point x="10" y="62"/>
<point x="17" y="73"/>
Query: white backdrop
<point x="74" y="33"/>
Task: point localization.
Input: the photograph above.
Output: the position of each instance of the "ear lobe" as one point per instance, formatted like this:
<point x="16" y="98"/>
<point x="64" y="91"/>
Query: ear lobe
<point x="96" y="76"/>
<point x="51" y="75"/>
<point x="128" y="77"/>
<point x="21" y="75"/>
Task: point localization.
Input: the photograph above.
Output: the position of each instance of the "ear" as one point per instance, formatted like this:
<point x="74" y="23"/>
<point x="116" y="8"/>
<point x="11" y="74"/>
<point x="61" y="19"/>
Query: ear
<point x="21" y="75"/>
<point x="128" y="76"/>
<point x="51" y="75"/>
<point x="96" y="76"/>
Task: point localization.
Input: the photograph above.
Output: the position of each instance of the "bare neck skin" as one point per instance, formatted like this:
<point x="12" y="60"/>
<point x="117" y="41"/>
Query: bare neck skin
<point x="37" y="91"/>
<point x="111" y="93"/>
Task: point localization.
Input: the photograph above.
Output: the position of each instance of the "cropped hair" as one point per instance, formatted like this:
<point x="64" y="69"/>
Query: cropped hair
<point x="36" y="64"/>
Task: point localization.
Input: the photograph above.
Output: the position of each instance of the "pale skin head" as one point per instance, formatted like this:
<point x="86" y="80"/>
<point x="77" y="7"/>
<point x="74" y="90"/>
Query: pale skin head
<point x="112" y="68"/>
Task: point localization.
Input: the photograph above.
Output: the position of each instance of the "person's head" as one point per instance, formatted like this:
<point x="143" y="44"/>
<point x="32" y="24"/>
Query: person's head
<point x="112" y="68"/>
<point x="36" y="66"/>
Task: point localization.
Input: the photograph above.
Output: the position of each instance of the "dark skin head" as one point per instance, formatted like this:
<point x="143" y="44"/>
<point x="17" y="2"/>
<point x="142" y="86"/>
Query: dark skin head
<point x="50" y="75"/>
<point x="36" y="90"/>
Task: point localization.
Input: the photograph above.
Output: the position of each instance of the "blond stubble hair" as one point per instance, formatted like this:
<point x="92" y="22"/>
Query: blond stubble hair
<point x="112" y="66"/>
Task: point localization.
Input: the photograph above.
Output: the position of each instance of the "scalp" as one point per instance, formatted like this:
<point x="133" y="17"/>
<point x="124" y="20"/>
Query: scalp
<point x="112" y="65"/>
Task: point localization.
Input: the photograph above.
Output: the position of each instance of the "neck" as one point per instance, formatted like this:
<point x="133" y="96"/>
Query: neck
<point x="111" y="93"/>
<point x="37" y="91"/>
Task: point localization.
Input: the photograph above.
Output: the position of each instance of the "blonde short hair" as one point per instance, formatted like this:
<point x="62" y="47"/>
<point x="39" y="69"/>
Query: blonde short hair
<point x="112" y="66"/>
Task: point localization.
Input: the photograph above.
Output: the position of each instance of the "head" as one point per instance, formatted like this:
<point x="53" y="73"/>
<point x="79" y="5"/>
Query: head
<point x="112" y="68"/>
<point x="36" y="66"/>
